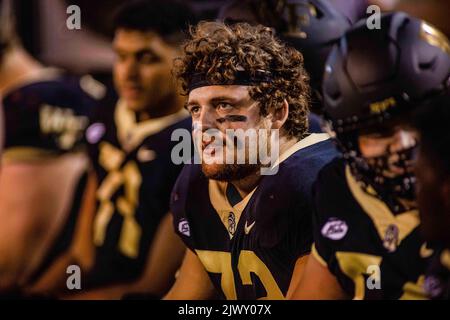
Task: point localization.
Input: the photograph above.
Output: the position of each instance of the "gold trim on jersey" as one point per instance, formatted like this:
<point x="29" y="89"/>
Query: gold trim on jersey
<point x="379" y="212"/>
<point x="131" y="133"/>
<point x="425" y="252"/>
<point x="92" y="87"/>
<point x="355" y="265"/>
<point x="317" y="256"/>
<point x="445" y="258"/>
<point x="39" y="75"/>
<point x="219" y="200"/>
<point x="26" y="154"/>
<point x="414" y="291"/>
<point x="217" y="189"/>
<point x="304" y="143"/>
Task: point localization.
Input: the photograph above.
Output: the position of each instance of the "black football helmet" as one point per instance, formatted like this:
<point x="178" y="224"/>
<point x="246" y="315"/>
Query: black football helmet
<point x="376" y="76"/>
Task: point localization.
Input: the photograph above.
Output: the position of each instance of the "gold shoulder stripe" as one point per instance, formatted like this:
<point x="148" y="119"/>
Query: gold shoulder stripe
<point x="92" y="87"/>
<point x="379" y="212"/>
<point x="445" y="258"/>
<point x="312" y="139"/>
<point x="414" y="291"/>
<point x="355" y="265"/>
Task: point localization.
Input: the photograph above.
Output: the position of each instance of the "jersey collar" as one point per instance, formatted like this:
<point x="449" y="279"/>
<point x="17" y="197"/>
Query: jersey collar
<point x="382" y="217"/>
<point x="131" y="133"/>
<point x="310" y="140"/>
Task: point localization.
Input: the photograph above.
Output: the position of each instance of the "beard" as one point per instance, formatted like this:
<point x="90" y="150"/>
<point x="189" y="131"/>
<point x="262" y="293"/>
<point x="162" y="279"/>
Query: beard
<point x="245" y="151"/>
<point x="229" y="172"/>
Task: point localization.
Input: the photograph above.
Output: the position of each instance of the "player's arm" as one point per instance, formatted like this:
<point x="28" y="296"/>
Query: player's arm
<point x="193" y="282"/>
<point x="81" y="251"/>
<point x="316" y="282"/>
<point x="163" y="260"/>
<point x="297" y="275"/>
<point x="2" y="134"/>
<point x="34" y="199"/>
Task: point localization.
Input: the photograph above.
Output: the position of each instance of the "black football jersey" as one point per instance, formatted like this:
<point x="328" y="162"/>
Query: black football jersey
<point x="437" y="280"/>
<point x="47" y="114"/>
<point x="373" y="253"/>
<point x="249" y="246"/>
<point x="135" y="174"/>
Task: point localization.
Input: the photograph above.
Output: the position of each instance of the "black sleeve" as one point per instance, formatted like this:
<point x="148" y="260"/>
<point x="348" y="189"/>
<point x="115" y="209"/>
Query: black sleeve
<point x="326" y="197"/>
<point x="22" y="124"/>
<point x="46" y="119"/>
<point x="305" y="204"/>
<point x="321" y="251"/>
<point x="178" y="200"/>
<point x="287" y="218"/>
<point x="303" y="238"/>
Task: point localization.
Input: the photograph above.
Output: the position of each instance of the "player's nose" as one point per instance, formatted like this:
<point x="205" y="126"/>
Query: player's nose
<point x="402" y="140"/>
<point x="131" y="69"/>
<point x="207" y="119"/>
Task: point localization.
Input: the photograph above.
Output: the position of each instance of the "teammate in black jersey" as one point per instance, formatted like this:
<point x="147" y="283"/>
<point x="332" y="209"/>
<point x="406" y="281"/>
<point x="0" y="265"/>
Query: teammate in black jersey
<point x="126" y="244"/>
<point x="433" y="179"/>
<point x="43" y="166"/>
<point x="246" y="231"/>
<point x="367" y="241"/>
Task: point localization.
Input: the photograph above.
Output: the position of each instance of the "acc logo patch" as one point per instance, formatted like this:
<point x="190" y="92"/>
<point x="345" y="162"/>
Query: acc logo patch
<point x="95" y="132"/>
<point x="335" y="229"/>
<point x="433" y="286"/>
<point x="183" y="227"/>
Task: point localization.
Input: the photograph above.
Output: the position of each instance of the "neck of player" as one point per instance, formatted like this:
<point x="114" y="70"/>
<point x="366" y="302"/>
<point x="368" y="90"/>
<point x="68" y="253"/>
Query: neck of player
<point x="169" y="105"/>
<point x="246" y="185"/>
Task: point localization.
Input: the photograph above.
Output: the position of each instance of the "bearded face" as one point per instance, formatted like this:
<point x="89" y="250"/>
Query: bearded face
<point x="232" y="137"/>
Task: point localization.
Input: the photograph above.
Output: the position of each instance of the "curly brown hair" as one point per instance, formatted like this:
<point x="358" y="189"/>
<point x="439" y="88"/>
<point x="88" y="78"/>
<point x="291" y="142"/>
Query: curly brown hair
<point x="219" y="51"/>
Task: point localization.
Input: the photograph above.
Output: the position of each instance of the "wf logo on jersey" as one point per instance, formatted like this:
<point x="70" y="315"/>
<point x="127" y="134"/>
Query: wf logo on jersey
<point x="63" y="123"/>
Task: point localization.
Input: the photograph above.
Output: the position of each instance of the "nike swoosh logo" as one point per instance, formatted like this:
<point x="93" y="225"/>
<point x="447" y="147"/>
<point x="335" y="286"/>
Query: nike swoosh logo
<point x="425" y="252"/>
<point x="249" y="228"/>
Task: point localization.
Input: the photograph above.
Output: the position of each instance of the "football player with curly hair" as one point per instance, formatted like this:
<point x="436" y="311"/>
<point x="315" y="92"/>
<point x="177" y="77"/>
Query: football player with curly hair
<point x="246" y="229"/>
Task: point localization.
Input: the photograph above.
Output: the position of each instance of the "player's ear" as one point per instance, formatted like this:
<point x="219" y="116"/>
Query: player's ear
<point x="280" y="115"/>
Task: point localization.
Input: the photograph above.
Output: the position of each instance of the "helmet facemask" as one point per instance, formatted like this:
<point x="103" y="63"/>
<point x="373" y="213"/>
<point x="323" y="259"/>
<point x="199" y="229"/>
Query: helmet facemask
<point x="388" y="176"/>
